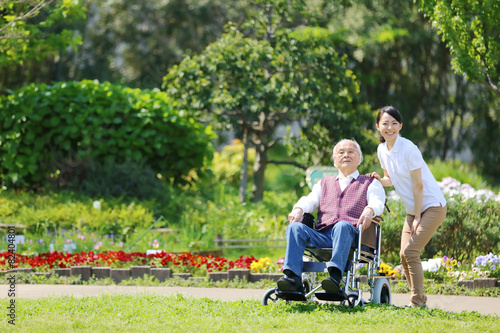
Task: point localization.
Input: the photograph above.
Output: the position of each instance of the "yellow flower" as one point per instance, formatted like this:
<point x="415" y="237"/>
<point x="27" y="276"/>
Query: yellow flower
<point x="263" y="265"/>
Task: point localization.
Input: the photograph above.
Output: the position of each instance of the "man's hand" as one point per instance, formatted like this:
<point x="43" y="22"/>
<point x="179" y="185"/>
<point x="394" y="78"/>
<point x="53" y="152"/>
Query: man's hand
<point x="295" y="215"/>
<point x="366" y="218"/>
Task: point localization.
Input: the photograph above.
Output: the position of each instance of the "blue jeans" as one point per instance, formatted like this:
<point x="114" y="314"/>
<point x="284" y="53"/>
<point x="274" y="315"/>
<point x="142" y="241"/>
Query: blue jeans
<point x="299" y="236"/>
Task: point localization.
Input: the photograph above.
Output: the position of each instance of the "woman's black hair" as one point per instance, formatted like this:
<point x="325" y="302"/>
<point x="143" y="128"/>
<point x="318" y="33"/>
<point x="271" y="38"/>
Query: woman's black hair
<point x="392" y="111"/>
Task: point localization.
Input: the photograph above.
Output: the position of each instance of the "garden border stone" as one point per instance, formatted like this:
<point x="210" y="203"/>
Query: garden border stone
<point x="62" y="271"/>
<point x="84" y="272"/>
<point x="218" y="276"/>
<point x="161" y="273"/>
<point x="240" y="273"/>
<point x="466" y="284"/>
<point x="485" y="283"/>
<point x="101" y="272"/>
<point x="119" y="274"/>
<point x="139" y="271"/>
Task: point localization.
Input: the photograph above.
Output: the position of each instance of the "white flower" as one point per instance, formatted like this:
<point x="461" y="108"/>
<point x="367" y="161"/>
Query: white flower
<point x="431" y="265"/>
<point x="97" y="204"/>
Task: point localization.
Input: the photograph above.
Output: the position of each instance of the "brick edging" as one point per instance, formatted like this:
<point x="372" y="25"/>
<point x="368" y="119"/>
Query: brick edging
<point x="162" y="274"/>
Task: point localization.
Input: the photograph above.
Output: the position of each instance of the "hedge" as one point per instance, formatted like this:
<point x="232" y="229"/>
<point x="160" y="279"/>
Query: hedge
<point x="49" y="130"/>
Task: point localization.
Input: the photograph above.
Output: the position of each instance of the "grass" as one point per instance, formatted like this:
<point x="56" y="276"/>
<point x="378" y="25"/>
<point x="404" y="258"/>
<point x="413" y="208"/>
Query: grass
<point x="147" y="312"/>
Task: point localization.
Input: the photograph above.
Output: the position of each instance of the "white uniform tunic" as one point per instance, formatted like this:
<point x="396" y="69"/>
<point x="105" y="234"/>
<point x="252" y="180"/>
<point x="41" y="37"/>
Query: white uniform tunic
<point x="403" y="158"/>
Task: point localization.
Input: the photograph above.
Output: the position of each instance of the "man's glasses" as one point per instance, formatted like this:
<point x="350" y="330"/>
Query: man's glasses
<point x="350" y="152"/>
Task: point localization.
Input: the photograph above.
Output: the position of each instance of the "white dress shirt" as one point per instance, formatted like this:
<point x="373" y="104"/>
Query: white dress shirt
<point x="375" y="195"/>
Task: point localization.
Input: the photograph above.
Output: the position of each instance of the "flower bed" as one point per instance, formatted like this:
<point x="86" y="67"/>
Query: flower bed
<point x="184" y="262"/>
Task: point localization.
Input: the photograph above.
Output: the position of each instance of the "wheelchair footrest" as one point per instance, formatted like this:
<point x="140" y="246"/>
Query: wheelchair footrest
<point x="291" y="296"/>
<point x="336" y="296"/>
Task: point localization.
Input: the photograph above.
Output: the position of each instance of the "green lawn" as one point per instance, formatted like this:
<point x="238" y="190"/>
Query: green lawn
<point x="149" y="313"/>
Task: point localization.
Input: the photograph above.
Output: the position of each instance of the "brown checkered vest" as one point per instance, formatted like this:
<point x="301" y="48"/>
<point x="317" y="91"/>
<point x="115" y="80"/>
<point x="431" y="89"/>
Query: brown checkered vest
<point x="335" y="205"/>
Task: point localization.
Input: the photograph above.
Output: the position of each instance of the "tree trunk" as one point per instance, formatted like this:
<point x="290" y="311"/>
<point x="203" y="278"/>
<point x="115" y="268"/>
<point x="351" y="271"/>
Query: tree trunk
<point x="244" y="168"/>
<point x="259" y="169"/>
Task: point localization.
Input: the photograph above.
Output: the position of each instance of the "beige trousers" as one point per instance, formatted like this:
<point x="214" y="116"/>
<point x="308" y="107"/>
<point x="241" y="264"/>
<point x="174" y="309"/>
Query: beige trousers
<point x="412" y="246"/>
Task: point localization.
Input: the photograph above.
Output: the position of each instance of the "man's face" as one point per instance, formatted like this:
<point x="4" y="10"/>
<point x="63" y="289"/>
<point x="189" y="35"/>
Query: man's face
<point x="347" y="157"/>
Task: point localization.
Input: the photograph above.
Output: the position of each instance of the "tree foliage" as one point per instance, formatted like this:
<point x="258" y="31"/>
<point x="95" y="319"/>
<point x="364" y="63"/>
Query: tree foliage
<point x="258" y="85"/>
<point x="135" y="42"/>
<point x="470" y="29"/>
<point x="400" y="60"/>
<point x="31" y="29"/>
<point x="51" y="132"/>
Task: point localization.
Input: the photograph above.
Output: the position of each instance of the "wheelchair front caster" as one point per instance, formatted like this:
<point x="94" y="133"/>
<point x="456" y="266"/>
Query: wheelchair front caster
<point x="270" y="297"/>
<point x="351" y="301"/>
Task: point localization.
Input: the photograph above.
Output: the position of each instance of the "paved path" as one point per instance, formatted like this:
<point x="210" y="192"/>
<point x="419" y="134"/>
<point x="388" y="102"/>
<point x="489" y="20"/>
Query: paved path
<point x="483" y="305"/>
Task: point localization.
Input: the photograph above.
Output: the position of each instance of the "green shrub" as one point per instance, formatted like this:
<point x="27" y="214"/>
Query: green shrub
<point x="49" y="132"/>
<point x="471" y="228"/>
<point x="127" y="180"/>
<point x="226" y="164"/>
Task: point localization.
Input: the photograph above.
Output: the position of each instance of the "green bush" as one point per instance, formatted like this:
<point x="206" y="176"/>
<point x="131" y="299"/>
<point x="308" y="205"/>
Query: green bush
<point x="471" y="228"/>
<point x="128" y="180"/>
<point x="49" y="132"/>
<point x="226" y="164"/>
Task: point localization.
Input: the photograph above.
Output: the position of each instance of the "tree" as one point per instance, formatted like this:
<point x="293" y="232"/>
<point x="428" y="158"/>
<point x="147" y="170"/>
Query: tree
<point x="135" y="42"/>
<point x="399" y="60"/>
<point x="470" y="29"/>
<point x="28" y="29"/>
<point x="34" y="36"/>
<point x="259" y="84"/>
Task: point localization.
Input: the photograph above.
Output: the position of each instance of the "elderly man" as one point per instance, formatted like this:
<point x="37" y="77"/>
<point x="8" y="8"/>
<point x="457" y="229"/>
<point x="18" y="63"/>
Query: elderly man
<point x="344" y="203"/>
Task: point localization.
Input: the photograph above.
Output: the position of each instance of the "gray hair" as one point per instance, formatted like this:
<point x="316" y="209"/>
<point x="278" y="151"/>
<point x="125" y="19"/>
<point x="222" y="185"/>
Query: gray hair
<point x="357" y="147"/>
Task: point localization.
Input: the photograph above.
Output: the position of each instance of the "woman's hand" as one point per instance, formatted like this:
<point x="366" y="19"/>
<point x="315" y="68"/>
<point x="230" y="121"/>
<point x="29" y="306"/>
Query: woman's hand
<point x="374" y="175"/>
<point x="386" y="181"/>
<point x="415" y="225"/>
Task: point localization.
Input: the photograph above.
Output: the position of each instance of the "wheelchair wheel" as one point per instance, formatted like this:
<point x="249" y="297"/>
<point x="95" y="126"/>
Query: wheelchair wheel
<point x="270" y="296"/>
<point x="382" y="292"/>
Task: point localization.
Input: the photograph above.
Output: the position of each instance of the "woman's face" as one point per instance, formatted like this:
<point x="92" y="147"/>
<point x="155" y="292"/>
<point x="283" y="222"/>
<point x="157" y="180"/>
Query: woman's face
<point x="389" y="127"/>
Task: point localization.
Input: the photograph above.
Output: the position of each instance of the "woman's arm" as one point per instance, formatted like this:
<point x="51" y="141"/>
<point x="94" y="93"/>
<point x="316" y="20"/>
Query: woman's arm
<point x="418" y="194"/>
<point x="386" y="181"/>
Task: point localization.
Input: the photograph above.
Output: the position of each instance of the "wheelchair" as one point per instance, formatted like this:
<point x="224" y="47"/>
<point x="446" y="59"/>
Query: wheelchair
<point x="366" y="251"/>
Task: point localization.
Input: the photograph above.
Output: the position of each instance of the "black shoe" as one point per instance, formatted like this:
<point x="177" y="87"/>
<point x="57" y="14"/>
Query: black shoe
<point x="330" y="284"/>
<point x="290" y="284"/>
